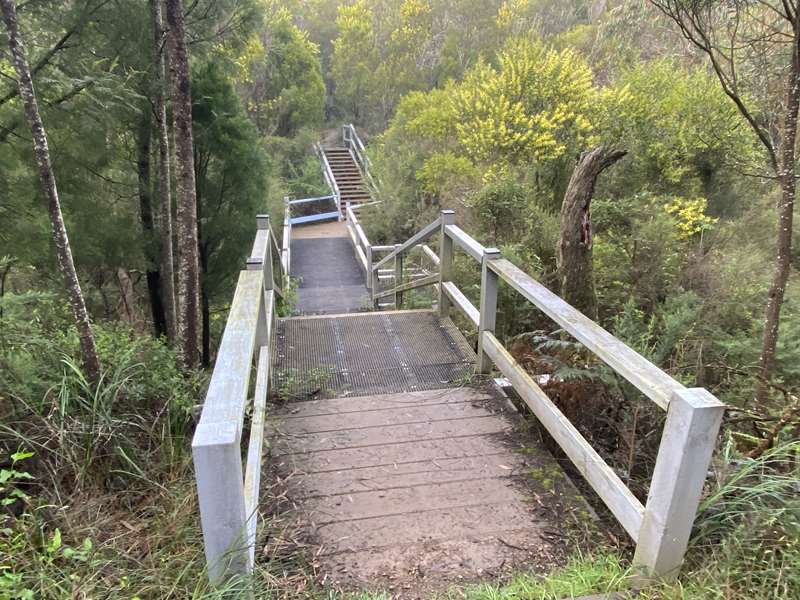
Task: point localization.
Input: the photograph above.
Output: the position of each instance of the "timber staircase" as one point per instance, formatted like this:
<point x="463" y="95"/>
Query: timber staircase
<point x="347" y="175"/>
<point x="347" y="172"/>
<point x="404" y="467"/>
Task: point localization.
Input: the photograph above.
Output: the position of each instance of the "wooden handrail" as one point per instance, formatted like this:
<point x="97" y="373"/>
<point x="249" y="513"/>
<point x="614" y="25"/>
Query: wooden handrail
<point x="465" y="241"/>
<point x="662" y="526"/>
<point x="422" y="235"/>
<point x="315" y="199"/>
<point x="644" y="375"/>
<point x="227" y="488"/>
<point x="286" y="250"/>
<point x="329" y="178"/>
<point x="267" y="253"/>
<point x="353" y="142"/>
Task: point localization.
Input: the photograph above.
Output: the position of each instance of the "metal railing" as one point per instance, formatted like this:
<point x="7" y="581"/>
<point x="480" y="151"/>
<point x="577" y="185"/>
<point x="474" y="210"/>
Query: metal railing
<point x="227" y="486"/>
<point x="660" y="527"/>
<point x="313" y="217"/>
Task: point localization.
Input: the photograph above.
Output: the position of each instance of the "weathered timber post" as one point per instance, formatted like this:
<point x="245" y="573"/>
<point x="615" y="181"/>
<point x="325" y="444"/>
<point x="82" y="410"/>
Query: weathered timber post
<point x="398" y="277"/>
<point x="262" y="223"/>
<point x="445" y="261"/>
<point x="255" y="264"/>
<point x="687" y="443"/>
<point x="369" y="282"/>
<point x="488" y="306"/>
<point x="218" y="471"/>
<point x="286" y="240"/>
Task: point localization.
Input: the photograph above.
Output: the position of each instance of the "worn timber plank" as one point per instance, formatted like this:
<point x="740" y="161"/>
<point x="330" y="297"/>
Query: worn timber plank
<point x="436" y="485"/>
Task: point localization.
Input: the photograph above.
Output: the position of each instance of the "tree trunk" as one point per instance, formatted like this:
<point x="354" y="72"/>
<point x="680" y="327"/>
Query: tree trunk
<point x="187" y="320"/>
<point x="206" y="311"/>
<point x="148" y="231"/>
<point x="91" y="363"/>
<point x="782" y="265"/>
<point x="164" y="184"/>
<point x="3" y="277"/>
<point x="574" y="251"/>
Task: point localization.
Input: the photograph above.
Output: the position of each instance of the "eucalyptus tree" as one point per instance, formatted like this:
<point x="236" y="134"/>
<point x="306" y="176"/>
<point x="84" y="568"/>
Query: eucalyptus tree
<point x="188" y="315"/>
<point x="164" y="183"/>
<point x="41" y="151"/>
<point x="754" y="50"/>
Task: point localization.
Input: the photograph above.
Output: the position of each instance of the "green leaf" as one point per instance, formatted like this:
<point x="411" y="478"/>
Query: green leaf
<point x="55" y="542"/>
<point x="21" y="456"/>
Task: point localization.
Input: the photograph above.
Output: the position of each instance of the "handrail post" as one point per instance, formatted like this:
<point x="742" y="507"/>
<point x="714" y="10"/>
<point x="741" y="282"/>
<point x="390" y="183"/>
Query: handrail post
<point x="262" y="223"/>
<point x="220" y="491"/>
<point x="488" y="306"/>
<point x="255" y="264"/>
<point x="398" y="277"/>
<point x="286" y="246"/>
<point x="687" y="443"/>
<point x="445" y="261"/>
<point x="368" y="251"/>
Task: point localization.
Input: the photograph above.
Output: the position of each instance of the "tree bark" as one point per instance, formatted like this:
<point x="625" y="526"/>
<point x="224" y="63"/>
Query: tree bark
<point x="148" y="230"/>
<point x="574" y="251"/>
<point x="91" y="362"/>
<point x="187" y="320"/>
<point x="164" y="182"/>
<point x="782" y="266"/>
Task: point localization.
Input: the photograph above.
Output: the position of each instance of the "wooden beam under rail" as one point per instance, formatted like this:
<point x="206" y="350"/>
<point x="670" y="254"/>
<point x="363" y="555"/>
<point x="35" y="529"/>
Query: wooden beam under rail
<point x="616" y="495"/>
<point x="421" y="282"/>
<point x="461" y="302"/>
<point x="647" y="377"/>
<point x="255" y="448"/>
<point x="432" y="256"/>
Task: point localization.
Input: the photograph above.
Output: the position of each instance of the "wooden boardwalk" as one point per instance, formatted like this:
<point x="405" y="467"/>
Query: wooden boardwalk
<point x="421" y="490"/>
<point x="435" y="484"/>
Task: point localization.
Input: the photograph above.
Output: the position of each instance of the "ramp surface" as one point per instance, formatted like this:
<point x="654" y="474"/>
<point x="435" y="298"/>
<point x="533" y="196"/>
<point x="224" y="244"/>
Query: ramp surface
<point x="324" y="261"/>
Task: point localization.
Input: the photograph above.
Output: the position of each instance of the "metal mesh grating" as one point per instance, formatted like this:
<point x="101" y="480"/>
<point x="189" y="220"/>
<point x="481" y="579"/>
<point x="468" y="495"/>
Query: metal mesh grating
<point x="374" y="353"/>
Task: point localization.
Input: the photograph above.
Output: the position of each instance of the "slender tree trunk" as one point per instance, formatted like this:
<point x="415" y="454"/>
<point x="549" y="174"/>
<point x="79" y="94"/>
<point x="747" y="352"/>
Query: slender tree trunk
<point x="206" y="313"/>
<point x="164" y="183"/>
<point x="91" y="363"/>
<point x="187" y="321"/>
<point x="574" y="251"/>
<point x="3" y="277"/>
<point x="148" y="229"/>
<point x="782" y="265"/>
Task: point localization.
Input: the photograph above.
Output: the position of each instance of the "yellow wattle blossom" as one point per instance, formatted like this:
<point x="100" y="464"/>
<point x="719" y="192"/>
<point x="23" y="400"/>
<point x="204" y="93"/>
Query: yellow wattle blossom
<point x="690" y="215"/>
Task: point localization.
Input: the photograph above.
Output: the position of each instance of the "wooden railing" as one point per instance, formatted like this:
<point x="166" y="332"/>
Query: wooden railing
<point x="366" y="254"/>
<point x="330" y="180"/>
<point x="353" y="143"/>
<point x="662" y="525"/>
<point x="227" y="487"/>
